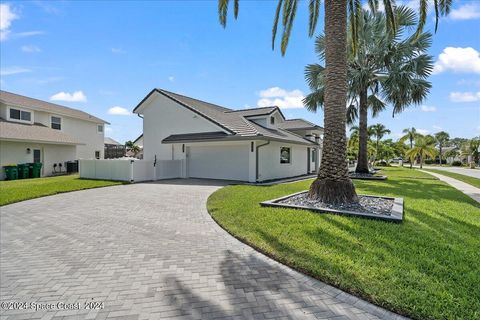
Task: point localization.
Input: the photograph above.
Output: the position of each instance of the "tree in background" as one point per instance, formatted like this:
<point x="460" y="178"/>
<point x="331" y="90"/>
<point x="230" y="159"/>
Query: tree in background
<point x="378" y="131"/>
<point x="384" y="65"/>
<point x="410" y="134"/>
<point x="441" y="138"/>
<point x="424" y="147"/>
<point x="130" y="146"/>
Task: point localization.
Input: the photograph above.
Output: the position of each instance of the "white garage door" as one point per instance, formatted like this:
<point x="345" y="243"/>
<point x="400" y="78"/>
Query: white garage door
<point x="218" y="162"/>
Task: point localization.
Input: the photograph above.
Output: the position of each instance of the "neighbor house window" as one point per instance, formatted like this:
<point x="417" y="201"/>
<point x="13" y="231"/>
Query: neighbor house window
<point x="314" y="155"/>
<point x="100" y="128"/>
<point x="97" y="154"/>
<point x="16" y="114"/>
<point x="272" y="120"/>
<point x="56" y="123"/>
<point x="285" y="155"/>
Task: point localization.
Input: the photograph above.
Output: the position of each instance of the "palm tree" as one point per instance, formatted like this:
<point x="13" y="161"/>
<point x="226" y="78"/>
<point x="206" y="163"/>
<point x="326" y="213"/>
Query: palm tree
<point x="379" y="57"/>
<point x="379" y="131"/>
<point x="424" y="147"/>
<point x="129" y="145"/>
<point x="333" y="184"/>
<point x="410" y="134"/>
<point x="442" y="138"/>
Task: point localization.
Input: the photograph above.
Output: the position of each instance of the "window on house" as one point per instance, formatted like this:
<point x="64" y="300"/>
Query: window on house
<point x="314" y="155"/>
<point x="272" y="120"/>
<point x="97" y="154"/>
<point x="20" y="115"/>
<point x="56" y="123"/>
<point x="100" y="128"/>
<point x="285" y="155"/>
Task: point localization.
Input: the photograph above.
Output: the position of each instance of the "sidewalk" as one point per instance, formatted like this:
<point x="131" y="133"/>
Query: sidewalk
<point x="466" y="188"/>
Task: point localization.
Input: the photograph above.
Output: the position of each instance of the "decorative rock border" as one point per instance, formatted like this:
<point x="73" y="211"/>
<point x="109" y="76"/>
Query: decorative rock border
<point x="396" y="215"/>
<point x="372" y="177"/>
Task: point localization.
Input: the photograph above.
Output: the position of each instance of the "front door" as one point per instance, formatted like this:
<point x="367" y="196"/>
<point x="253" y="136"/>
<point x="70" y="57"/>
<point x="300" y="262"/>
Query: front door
<point x="37" y="155"/>
<point x="308" y="161"/>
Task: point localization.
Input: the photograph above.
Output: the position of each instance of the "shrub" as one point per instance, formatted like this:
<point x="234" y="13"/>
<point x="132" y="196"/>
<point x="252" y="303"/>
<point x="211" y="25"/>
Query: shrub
<point x="457" y="163"/>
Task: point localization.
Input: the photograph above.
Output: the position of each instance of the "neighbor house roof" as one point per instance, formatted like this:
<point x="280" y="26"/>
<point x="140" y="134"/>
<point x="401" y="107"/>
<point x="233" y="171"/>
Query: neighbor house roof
<point x="13" y="131"/>
<point x="298" y="124"/>
<point x="235" y="122"/>
<point x="108" y="140"/>
<point x="17" y="100"/>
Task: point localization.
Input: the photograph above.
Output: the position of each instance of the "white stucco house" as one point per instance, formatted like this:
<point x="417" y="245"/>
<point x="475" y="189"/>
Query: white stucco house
<point x="216" y="142"/>
<point x="32" y="130"/>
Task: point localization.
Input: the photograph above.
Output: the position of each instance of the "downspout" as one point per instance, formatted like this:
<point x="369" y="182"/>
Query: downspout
<point x="256" y="158"/>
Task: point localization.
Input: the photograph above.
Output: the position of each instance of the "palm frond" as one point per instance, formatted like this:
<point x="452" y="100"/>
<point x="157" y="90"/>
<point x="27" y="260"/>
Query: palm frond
<point x="275" y="22"/>
<point x="314" y="9"/>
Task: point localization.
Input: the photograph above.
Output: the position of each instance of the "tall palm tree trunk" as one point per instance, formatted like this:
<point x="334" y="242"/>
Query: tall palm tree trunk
<point x="411" y="147"/>
<point x="362" y="160"/>
<point x="333" y="184"/>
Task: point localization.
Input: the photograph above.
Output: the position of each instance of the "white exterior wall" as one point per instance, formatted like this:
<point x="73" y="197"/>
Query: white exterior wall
<point x="82" y="130"/>
<point x="163" y="117"/>
<point x="228" y="161"/>
<point x="269" y="161"/>
<point x="16" y="152"/>
<point x="85" y="132"/>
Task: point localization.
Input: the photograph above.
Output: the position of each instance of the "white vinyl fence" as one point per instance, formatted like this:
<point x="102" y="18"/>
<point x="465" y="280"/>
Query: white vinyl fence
<point x="130" y="170"/>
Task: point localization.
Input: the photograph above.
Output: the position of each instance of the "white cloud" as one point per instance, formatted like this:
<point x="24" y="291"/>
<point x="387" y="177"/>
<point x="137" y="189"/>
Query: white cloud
<point x="468" y="82"/>
<point x="171" y="78"/>
<point x="466" y="12"/>
<point x="77" y="96"/>
<point x="8" y="71"/>
<point x="423" y="131"/>
<point x="428" y="108"/>
<point x="282" y="98"/>
<point x="6" y="18"/>
<point x="108" y="129"/>
<point x="437" y="127"/>
<point x="30" y="49"/>
<point x="464" y="96"/>
<point x="458" y="60"/>
<point x="27" y="34"/>
<point x="119" y="111"/>
<point x="118" y="50"/>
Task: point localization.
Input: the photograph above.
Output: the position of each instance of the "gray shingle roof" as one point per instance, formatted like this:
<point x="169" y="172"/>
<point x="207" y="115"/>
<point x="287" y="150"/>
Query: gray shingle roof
<point x="36" y="132"/>
<point x="293" y="124"/>
<point x="108" y="140"/>
<point x="35" y="104"/>
<point x="234" y="121"/>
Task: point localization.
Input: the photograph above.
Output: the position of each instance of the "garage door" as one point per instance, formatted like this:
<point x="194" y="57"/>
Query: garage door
<point x="218" y="162"/>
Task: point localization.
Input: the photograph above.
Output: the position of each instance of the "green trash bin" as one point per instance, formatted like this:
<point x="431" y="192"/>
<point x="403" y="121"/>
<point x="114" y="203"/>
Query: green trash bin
<point x="36" y="169"/>
<point x="23" y="171"/>
<point x="11" y="172"/>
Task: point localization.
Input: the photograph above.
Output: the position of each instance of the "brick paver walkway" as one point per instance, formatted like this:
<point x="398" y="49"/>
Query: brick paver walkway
<point x="150" y="251"/>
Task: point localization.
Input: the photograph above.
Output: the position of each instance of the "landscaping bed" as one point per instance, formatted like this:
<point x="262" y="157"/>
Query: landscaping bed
<point x="425" y="268"/>
<point x="24" y="189"/>
<point x="366" y="176"/>
<point x="373" y="207"/>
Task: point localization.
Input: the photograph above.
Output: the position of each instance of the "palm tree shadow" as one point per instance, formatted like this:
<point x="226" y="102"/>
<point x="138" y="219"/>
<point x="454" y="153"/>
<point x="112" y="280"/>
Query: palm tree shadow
<point x="249" y="288"/>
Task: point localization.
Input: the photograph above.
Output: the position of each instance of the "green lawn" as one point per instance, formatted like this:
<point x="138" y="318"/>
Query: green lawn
<point x="470" y="180"/>
<point x="426" y="267"/>
<point x="19" y="190"/>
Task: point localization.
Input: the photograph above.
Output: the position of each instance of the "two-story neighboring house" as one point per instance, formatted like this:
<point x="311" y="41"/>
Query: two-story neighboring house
<point x="32" y="130"/>
<point x="220" y="143"/>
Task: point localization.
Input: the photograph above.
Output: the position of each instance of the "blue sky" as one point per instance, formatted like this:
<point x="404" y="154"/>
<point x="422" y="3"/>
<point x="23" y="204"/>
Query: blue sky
<point x="104" y="57"/>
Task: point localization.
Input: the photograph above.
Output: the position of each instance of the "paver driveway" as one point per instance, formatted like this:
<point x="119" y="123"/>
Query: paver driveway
<point x="150" y="251"/>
